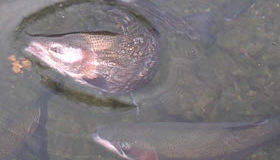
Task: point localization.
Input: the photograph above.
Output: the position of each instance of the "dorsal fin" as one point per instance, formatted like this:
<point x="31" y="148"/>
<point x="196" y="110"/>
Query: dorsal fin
<point x="76" y="32"/>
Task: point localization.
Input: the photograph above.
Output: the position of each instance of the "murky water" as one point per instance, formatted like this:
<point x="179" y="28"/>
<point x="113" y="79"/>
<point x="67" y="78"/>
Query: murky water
<point x="234" y="79"/>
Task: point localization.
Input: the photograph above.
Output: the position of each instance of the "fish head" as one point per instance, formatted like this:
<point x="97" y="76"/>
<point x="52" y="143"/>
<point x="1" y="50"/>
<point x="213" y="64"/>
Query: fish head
<point x="125" y="143"/>
<point x="67" y="57"/>
<point x="112" y="142"/>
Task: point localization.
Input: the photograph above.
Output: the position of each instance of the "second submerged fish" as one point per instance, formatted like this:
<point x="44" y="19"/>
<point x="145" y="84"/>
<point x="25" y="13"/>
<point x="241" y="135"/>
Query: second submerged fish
<point x="188" y="141"/>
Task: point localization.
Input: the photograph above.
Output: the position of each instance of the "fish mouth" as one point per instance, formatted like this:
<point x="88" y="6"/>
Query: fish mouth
<point x="36" y="49"/>
<point x="108" y="145"/>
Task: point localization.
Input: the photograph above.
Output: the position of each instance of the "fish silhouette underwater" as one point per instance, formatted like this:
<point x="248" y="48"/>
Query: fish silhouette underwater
<point x="189" y="141"/>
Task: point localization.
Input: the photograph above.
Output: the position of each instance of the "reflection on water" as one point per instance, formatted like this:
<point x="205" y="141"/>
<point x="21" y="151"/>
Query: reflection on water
<point x="233" y="79"/>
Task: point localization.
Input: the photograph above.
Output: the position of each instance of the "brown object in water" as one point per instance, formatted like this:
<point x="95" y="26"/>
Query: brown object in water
<point x="18" y="65"/>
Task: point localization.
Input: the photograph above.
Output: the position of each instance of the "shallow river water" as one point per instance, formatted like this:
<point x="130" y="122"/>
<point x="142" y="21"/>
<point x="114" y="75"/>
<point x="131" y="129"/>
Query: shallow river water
<point x="236" y="78"/>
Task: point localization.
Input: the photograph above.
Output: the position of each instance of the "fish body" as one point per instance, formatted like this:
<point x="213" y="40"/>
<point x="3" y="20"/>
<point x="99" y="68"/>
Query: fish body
<point x="111" y="62"/>
<point x="188" y="141"/>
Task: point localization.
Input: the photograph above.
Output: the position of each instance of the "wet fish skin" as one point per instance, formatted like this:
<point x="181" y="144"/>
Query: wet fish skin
<point x="189" y="141"/>
<point x="111" y="62"/>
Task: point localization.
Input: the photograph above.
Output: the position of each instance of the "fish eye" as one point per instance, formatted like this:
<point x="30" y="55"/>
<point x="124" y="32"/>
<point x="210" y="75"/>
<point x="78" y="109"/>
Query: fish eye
<point x="55" y="49"/>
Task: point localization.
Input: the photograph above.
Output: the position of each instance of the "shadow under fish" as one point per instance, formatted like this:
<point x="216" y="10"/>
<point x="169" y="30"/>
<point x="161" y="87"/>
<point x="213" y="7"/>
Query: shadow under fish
<point x="189" y="141"/>
<point x="89" y="99"/>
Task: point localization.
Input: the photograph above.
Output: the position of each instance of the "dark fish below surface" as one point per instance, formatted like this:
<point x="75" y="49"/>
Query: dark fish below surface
<point x="22" y="130"/>
<point x="188" y="141"/>
<point x="36" y="144"/>
<point x="195" y="26"/>
<point x="13" y="136"/>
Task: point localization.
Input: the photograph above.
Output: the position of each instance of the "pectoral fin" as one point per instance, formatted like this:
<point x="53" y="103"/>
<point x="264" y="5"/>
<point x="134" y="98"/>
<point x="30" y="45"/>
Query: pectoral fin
<point x="98" y="82"/>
